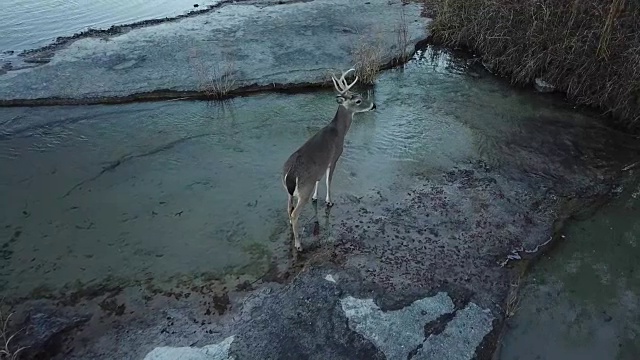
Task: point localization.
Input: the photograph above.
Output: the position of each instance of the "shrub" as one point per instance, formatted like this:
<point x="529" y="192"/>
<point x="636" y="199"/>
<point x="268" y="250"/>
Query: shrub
<point x="368" y="53"/>
<point x="217" y="81"/>
<point x="589" y="49"/>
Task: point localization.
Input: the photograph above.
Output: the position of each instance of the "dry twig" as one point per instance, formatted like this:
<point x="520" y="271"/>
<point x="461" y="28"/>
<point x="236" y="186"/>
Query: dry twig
<point x="6" y="351"/>
<point x="402" y="37"/>
<point x="368" y="53"/>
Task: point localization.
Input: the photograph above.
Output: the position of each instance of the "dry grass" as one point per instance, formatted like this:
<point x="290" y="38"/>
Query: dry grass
<point x="7" y="351"/>
<point x="217" y="81"/>
<point x="513" y="299"/>
<point x="512" y="304"/>
<point x="589" y="49"/>
<point x="368" y="53"/>
<point x="369" y="50"/>
<point x="402" y="37"/>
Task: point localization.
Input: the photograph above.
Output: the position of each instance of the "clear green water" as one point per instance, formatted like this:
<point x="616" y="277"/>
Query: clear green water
<point x="152" y="191"/>
<point x="583" y="301"/>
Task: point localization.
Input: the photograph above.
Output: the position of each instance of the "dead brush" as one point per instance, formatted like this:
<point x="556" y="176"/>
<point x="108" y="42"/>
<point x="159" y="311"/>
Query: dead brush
<point x="368" y="53"/>
<point x="588" y="49"/>
<point x="513" y="299"/>
<point x="217" y="81"/>
<point x="512" y="304"/>
<point x="402" y="38"/>
<point x="7" y="351"/>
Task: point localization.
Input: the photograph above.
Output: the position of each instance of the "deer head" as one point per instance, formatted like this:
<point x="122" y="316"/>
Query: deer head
<point x="353" y="102"/>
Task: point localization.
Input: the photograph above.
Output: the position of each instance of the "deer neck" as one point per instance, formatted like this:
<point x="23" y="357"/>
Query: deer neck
<point x="342" y="120"/>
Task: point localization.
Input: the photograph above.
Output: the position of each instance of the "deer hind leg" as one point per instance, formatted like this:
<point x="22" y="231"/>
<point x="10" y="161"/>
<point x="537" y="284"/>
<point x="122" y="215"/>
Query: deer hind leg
<point x="291" y="185"/>
<point x="304" y="193"/>
<point x="315" y="192"/>
<point x="289" y="206"/>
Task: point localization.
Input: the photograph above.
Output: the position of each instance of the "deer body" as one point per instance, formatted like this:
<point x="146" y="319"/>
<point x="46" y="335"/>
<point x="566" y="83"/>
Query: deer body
<point x="318" y="156"/>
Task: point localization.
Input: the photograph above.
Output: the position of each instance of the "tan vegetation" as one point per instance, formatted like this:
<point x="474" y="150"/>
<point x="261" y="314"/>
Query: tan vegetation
<point x="589" y="49"/>
<point x="369" y="50"/>
<point x="402" y="37"/>
<point x="216" y="81"/>
<point x="368" y="53"/>
<point x="512" y="303"/>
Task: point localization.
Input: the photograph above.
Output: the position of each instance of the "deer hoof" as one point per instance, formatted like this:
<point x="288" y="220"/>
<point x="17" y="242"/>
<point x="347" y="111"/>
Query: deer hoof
<point x="329" y="204"/>
<point x="314" y="200"/>
<point x="298" y="247"/>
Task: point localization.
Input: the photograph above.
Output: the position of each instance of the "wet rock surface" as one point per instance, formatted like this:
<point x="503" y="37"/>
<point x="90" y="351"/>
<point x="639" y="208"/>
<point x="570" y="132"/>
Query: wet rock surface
<point x="461" y="337"/>
<point x="396" y="332"/>
<point x="316" y="318"/>
<point x="303" y="319"/>
<point x="45" y="329"/>
<point x="454" y="231"/>
<point x="254" y="42"/>
<point x="445" y="295"/>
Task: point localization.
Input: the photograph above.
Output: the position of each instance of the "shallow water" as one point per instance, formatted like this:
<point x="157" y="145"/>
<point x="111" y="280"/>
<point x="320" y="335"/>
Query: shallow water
<point x="29" y="24"/>
<point x="149" y="192"/>
<point x="583" y="301"/>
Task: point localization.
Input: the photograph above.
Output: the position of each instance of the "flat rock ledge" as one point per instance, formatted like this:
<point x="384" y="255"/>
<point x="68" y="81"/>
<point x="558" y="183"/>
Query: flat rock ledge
<point x="249" y="44"/>
<point x="317" y="317"/>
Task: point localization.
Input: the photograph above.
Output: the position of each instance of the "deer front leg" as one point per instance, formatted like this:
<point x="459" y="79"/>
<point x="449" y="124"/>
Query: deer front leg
<point x="329" y="175"/>
<point x="315" y="192"/>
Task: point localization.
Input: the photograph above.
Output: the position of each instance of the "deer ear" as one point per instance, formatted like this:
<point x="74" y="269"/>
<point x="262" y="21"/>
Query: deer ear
<point x="340" y="99"/>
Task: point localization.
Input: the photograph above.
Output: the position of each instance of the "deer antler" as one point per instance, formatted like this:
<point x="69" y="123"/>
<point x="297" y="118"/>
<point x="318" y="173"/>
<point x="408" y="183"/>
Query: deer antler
<point x="341" y="84"/>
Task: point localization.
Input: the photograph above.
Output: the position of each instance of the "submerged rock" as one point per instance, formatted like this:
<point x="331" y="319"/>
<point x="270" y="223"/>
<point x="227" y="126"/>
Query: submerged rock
<point x="543" y="86"/>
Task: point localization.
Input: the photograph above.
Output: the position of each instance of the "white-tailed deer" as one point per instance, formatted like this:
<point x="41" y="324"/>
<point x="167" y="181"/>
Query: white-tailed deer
<point x="318" y="156"/>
